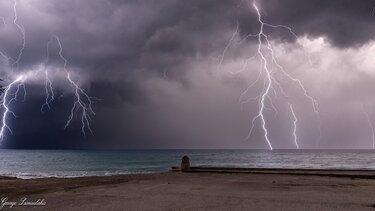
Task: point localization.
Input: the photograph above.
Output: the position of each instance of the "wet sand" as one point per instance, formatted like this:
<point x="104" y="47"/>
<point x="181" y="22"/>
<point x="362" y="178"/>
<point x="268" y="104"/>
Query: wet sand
<point x="195" y="191"/>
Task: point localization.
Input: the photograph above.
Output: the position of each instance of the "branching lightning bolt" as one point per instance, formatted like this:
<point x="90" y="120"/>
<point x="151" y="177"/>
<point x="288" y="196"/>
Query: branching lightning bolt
<point x="235" y="33"/>
<point x="8" y="98"/>
<point x="370" y="125"/>
<point x="267" y="82"/>
<point x="82" y="101"/>
<point x="270" y="66"/>
<point x="50" y="95"/>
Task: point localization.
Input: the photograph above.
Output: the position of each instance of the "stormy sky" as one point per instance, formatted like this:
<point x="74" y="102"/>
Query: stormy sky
<point x="170" y="73"/>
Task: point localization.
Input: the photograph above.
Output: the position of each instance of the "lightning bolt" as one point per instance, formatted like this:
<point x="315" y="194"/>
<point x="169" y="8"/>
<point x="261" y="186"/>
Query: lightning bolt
<point x="295" y="120"/>
<point x="8" y="98"/>
<point x="370" y="125"/>
<point x="235" y="33"/>
<point x="22" y="31"/>
<point x="50" y="95"/>
<point x="271" y="84"/>
<point x="82" y="101"/>
<point x="267" y="82"/>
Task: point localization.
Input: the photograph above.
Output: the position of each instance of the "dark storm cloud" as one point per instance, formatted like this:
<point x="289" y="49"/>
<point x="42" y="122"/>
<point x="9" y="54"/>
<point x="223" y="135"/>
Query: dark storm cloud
<point x="123" y="36"/>
<point x="345" y="23"/>
<point x="122" y="49"/>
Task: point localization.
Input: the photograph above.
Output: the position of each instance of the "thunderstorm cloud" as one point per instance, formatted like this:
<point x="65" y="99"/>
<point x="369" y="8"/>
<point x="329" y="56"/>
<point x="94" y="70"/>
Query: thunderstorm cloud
<point x="165" y="74"/>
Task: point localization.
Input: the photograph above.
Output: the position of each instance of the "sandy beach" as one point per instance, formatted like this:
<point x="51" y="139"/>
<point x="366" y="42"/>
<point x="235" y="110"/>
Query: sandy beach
<point x="193" y="191"/>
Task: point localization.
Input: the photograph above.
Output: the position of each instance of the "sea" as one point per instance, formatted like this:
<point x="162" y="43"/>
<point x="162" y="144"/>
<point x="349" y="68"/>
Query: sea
<point x="28" y="164"/>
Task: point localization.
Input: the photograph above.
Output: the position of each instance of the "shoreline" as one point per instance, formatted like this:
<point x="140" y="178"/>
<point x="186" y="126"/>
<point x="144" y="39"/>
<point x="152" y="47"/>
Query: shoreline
<point x="19" y="186"/>
<point x="196" y="191"/>
<point x="356" y="173"/>
<point x="30" y="176"/>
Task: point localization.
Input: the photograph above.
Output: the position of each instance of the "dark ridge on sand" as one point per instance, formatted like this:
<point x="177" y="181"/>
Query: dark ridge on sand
<point x="365" y="174"/>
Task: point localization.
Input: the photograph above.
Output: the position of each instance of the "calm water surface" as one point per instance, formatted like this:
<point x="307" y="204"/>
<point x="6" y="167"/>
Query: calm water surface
<point x="73" y="163"/>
